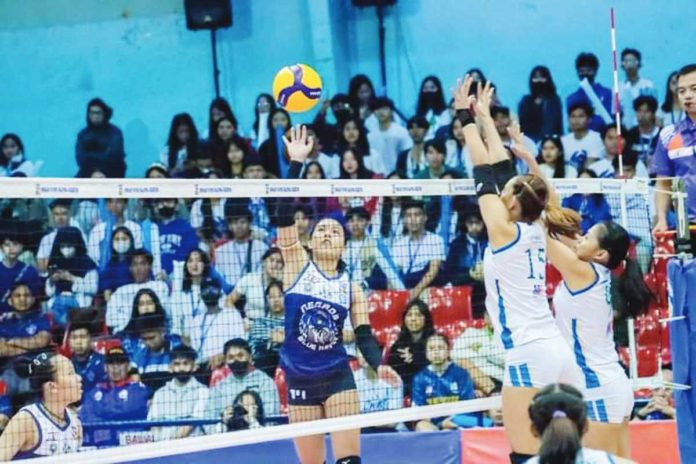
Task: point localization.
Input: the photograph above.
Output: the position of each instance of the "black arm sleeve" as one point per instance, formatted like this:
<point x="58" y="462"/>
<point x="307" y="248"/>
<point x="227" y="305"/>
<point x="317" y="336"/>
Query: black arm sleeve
<point x="368" y="345"/>
<point x="465" y="117"/>
<point x="484" y="180"/>
<point x="503" y="171"/>
<point x="284" y="216"/>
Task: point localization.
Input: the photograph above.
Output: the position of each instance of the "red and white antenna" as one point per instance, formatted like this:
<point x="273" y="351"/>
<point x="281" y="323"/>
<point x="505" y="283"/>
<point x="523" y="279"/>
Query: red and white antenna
<point x="617" y="104"/>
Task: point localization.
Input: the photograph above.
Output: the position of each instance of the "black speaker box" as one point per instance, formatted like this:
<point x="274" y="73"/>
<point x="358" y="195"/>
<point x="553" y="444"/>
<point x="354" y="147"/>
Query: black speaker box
<point x="208" y="14"/>
<point x="361" y="3"/>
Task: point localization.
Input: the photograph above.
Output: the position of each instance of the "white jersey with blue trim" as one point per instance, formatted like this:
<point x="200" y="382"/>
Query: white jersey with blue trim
<point x="585" y="318"/>
<point x="586" y="456"/>
<point x="53" y="438"/>
<point x="515" y="278"/>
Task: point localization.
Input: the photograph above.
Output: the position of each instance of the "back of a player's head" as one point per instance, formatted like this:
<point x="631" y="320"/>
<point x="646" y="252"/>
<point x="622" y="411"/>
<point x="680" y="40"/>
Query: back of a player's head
<point x="532" y="195"/>
<point x="559" y="416"/>
<point x="40" y="370"/>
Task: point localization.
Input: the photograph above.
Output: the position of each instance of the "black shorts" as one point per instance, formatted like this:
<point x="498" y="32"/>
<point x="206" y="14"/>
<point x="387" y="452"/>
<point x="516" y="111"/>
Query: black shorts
<point x="315" y="390"/>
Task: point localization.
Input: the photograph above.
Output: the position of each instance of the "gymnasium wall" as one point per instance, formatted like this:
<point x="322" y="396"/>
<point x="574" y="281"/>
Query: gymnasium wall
<point x="57" y="54"/>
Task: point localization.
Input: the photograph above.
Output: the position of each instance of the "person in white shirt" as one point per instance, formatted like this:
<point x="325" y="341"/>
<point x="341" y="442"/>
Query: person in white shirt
<point x="670" y="111"/>
<point x="603" y="166"/>
<point x="353" y="135"/>
<point x="120" y="305"/>
<point x="552" y="160"/>
<point x="389" y="139"/>
<point x="634" y="86"/>
<point x="419" y="254"/>
<point x="99" y="233"/>
<point x="182" y="143"/>
<point x="412" y="161"/>
<point x="502" y="121"/>
<point x="265" y="104"/>
<point x="432" y="106"/>
<point x="378" y="390"/>
<point x="581" y="143"/>
<point x="60" y="217"/>
<point x="183" y="397"/>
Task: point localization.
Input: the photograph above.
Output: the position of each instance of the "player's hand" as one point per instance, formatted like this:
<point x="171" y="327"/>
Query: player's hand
<point x="460" y="93"/>
<point x="484" y="97"/>
<point x="518" y="148"/>
<point x="299" y="145"/>
<point x="660" y="226"/>
<point x="388" y="374"/>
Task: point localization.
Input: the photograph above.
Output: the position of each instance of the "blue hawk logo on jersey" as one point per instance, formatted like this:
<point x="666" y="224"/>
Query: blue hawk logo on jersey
<point x="318" y="331"/>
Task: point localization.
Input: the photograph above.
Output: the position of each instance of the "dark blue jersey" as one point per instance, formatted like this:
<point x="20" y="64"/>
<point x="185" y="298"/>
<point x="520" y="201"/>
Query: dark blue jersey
<point x="316" y="307"/>
<point x="91" y="369"/>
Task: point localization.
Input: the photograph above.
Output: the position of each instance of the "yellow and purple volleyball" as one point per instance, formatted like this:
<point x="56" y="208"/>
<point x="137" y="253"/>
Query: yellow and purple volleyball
<point x="297" y="88"/>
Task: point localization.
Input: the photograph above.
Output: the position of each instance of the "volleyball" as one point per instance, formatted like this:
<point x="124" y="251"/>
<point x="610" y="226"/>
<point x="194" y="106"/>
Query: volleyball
<point x="297" y="88"/>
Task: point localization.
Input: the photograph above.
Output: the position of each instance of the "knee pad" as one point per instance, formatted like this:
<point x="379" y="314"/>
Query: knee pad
<point x="349" y="460"/>
<point x="519" y="458"/>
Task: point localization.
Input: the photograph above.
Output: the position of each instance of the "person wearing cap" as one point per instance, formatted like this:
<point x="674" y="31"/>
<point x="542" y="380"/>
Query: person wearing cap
<point x="152" y="355"/>
<point x="183" y="397"/>
<point x="242" y="376"/>
<point x="100" y="144"/>
<point x="118" y="399"/>
<point x="250" y="288"/>
<point x="388" y="139"/>
<point x="12" y="270"/>
<point x="88" y="363"/>
<point x="242" y="254"/>
<point x="209" y="329"/>
<point x="60" y="217"/>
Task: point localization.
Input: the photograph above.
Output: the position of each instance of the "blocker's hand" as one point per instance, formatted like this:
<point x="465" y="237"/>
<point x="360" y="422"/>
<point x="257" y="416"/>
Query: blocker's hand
<point x="484" y="97"/>
<point x="518" y="147"/>
<point x="460" y="93"/>
<point x="299" y="145"/>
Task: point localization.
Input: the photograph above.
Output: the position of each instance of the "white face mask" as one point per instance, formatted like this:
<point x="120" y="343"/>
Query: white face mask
<point x="122" y="246"/>
<point x="67" y="251"/>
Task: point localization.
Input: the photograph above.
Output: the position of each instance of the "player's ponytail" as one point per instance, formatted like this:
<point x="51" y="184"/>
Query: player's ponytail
<point x="561" y="221"/>
<point x="559" y="417"/>
<point x="634" y="295"/>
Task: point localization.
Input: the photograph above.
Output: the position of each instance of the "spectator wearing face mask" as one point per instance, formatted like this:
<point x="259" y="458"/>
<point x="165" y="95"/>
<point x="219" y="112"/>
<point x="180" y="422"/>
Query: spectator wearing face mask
<point x="591" y="93"/>
<point x="175" y="237"/>
<point x="117" y="272"/>
<point x="541" y="111"/>
<point x="432" y="106"/>
<point x="100" y="144"/>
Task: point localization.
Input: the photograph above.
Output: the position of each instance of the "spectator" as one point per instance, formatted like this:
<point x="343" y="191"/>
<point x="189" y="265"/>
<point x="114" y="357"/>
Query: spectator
<point x="502" y="121"/>
<point x="73" y="279"/>
<point x="272" y="151"/>
<point x="145" y="304"/>
<point x="442" y="381"/>
<point x="541" y="111"/>
<point x="642" y="139"/>
<point x="211" y="328"/>
<point x="182" y="143"/>
<point x="435" y="152"/>
<point x="227" y="147"/>
<point x="407" y="354"/>
<point x="593" y="208"/>
<point x="552" y="160"/>
<point x="581" y="143"/>
<point x="603" y="166"/>
<point x="458" y="157"/>
<point x="661" y="404"/>
<point x="303" y="221"/>
<point x="388" y="138"/>
<point x="444" y="212"/>
<point x="99" y="241"/>
<point x="232" y="166"/>
<point x="361" y="93"/>
<point x="237" y="356"/>
<point x="60" y="217"/>
<point x="175" y="237"/>
<point x="353" y="166"/>
<point x="13" y="161"/>
<point x="431" y="105"/>
<point x="246" y="412"/>
<point x="634" y="86"/>
<point x="354" y="136"/>
<point x="218" y="109"/>
<point x="88" y="363"/>
<point x="152" y="355"/>
<point x="100" y="144"/>
<point x="183" y="397"/>
<point x="116" y="274"/>
<point x="464" y="264"/>
<point x="119" y="307"/>
<point x="118" y="399"/>
<point x="12" y="270"/>
<point x="268" y="332"/>
<point x="388" y="219"/>
<point x="249" y="291"/>
<point x="186" y="300"/>
<point x="412" y="162"/>
<point x="242" y="254"/>
<point x="253" y="169"/>
<point x="591" y="93"/>
<point x="23" y="330"/>
<point x="480" y="348"/>
<point x="369" y="262"/>
<point x="378" y="390"/>
<point x="444" y="132"/>
<point x="671" y="110"/>
<point x="329" y="134"/>
<point x="419" y="253"/>
<point x="208" y="218"/>
<point x="158" y="170"/>
<point x="265" y="105"/>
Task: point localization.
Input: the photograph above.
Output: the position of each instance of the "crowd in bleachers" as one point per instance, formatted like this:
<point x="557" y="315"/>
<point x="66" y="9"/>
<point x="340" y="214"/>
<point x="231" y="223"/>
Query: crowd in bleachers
<point x="173" y="309"/>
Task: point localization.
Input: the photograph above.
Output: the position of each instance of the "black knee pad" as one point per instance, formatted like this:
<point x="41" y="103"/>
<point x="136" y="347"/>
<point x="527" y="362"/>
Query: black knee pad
<point x="519" y="458"/>
<point x="349" y="460"/>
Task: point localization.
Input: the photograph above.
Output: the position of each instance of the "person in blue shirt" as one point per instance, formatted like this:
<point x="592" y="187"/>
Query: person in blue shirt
<point x="176" y="236"/>
<point x="442" y="381"/>
<point x="88" y="363"/>
<point x="5" y="411"/>
<point x="23" y="330"/>
<point x="12" y="270"/>
<point x="593" y="208"/>
<point x="152" y="355"/>
<point x="118" y="399"/>
<point x="117" y="271"/>
<point x="586" y="65"/>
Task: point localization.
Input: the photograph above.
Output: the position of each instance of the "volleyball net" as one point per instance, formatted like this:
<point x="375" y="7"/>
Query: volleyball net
<point x="168" y="296"/>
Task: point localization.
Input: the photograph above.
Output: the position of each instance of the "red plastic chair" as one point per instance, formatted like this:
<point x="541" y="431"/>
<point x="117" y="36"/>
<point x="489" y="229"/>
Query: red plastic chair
<point x="386" y="309"/>
<point x="450" y="308"/>
<point x="282" y="386"/>
<point x="648" y="330"/>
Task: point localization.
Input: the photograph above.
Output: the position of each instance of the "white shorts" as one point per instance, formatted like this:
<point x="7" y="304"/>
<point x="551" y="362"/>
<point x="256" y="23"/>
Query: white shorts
<point x="610" y="403"/>
<point x="539" y="363"/>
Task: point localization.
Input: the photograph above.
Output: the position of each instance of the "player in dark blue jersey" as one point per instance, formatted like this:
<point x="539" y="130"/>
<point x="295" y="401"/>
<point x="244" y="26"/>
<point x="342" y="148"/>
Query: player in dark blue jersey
<point x="319" y="297"/>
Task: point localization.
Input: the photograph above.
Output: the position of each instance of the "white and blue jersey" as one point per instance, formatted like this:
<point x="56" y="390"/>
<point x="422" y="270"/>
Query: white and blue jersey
<point x="316" y="308"/>
<point x="53" y="439"/>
